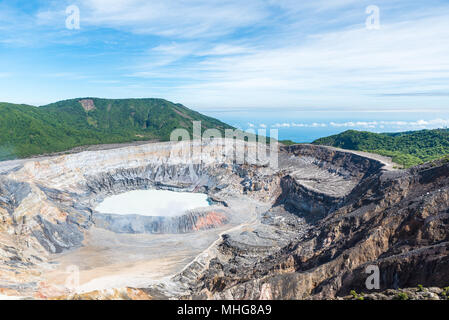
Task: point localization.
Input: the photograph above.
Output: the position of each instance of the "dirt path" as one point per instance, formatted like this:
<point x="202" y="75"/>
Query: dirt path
<point x="389" y="165"/>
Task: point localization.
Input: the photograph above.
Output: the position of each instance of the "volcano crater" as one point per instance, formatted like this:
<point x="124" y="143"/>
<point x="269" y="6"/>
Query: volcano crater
<point x="49" y="213"/>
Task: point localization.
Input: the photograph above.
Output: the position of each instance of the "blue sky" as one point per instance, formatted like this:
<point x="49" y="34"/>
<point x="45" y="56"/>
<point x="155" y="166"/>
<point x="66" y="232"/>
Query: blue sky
<point x="278" y="62"/>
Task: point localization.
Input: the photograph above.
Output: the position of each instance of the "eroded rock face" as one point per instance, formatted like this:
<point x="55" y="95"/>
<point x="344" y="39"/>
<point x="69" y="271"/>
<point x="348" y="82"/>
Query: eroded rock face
<point x="189" y="222"/>
<point x="307" y="228"/>
<point x="397" y="221"/>
<point x="87" y="104"/>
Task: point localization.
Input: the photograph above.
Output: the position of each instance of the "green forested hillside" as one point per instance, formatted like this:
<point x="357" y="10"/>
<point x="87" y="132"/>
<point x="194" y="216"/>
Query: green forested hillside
<point x="406" y="148"/>
<point x="27" y="130"/>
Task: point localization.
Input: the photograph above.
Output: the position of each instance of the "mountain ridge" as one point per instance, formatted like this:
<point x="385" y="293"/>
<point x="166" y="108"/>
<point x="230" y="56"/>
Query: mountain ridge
<point x="27" y="130"/>
<point x="409" y="148"/>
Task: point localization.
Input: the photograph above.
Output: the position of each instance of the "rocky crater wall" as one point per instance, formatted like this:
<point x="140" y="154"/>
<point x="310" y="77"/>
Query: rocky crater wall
<point x="47" y="204"/>
<point x="396" y="221"/>
<point x="344" y="163"/>
<point x="68" y="187"/>
<point x="318" y="179"/>
<point x="189" y="222"/>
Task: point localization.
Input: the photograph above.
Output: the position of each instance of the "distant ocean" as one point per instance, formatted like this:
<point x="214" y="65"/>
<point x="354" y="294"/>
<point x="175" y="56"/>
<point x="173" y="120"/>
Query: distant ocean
<point x="307" y="127"/>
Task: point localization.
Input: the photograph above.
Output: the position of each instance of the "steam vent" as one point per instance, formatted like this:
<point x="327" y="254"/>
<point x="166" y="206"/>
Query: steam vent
<point x="306" y="228"/>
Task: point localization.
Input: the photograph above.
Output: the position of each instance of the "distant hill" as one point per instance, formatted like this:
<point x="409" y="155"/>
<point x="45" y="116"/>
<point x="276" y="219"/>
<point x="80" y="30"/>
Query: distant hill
<point x="406" y="148"/>
<point x="28" y="130"/>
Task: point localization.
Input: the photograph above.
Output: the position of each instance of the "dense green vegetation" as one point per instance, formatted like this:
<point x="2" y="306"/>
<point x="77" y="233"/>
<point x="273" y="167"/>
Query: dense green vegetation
<point x="406" y="148"/>
<point x="287" y="142"/>
<point x="27" y="130"/>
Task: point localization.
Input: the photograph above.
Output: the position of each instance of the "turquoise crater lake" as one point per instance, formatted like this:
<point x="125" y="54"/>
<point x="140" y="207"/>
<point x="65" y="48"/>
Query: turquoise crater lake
<point x="153" y="203"/>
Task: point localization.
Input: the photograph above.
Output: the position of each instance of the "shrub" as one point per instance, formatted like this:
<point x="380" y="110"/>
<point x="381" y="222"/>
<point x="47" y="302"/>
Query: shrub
<point x="445" y="293"/>
<point x="402" y="296"/>
<point x="356" y="296"/>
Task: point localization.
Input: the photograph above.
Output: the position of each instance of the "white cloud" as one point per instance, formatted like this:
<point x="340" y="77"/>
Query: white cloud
<point x="267" y="53"/>
<point x="225" y="49"/>
<point x="299" y="125"/>
<point x="435" y="123"/>
<point x="174" y="18"/>
<point x="366" y="124"/>
<point x="282" y="125"/>
<point x="350" y="67"/>
<point x="419" y="124"/>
